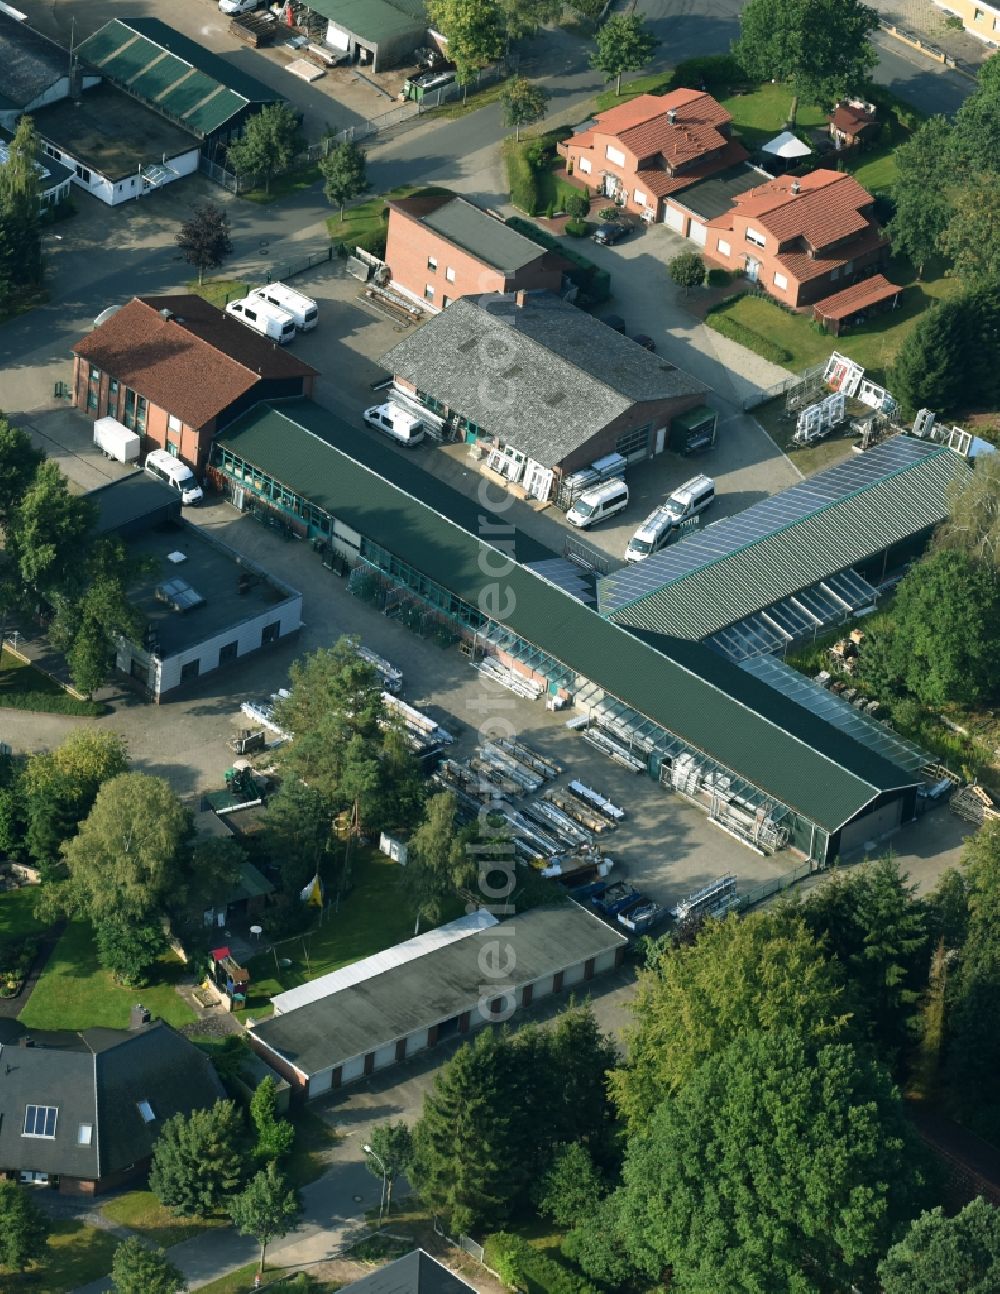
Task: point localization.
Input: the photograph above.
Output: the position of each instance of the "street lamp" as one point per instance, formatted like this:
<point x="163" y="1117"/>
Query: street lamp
<point x="378" y="1159"/>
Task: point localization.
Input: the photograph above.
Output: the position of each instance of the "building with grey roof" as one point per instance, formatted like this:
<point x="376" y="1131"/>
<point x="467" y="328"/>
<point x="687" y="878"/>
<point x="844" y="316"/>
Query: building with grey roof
<point x="440" y="247"/>
<point x="544" y="387"/>
<point x="382" y="1013"/>
<point x="81" y="1112"/>
<point x="415" y="1273"/>
<point x="34" y="70"/>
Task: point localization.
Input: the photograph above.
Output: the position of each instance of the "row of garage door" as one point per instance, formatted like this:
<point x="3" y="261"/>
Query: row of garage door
<point x="689" y="226"/>
<point x="391" y="1053"/>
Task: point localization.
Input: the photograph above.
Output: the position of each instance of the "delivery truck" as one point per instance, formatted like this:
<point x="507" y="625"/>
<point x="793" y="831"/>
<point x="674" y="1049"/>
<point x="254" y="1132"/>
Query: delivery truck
<point x="116" y="441"/>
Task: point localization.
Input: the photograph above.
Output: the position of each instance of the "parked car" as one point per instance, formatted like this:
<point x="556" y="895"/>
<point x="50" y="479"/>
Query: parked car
<point x="608" y="235"/>
<point x="614" y="321"/>
<point x="646" y="342"/>
<point x="240" y="6"/>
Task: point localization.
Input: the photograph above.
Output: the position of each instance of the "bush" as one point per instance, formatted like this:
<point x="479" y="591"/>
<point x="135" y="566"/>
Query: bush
<point x="735" y="331"/>
<point x="578" y="205"/>
<point x="521" y="1266"/>
<point x="718" y="277"/>
<point x="577" y="228"/>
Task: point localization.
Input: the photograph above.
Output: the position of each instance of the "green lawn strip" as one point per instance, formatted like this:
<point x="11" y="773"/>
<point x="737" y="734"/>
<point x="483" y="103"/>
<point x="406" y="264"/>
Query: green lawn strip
<point x="219" y="292"/>
<point x="293" y="181"/>
<point x="75" y="1255"/>
<point x="365" y="223"/>
<point x="241" y="1280"/>
<point x="477" y="99"/>
<point x="75" y="993"/>
<point x="143" y="1213"/>
<point x="17" y="914"/>
<point x="23" y="687"/>
<point x="780" y="426"/>
<point x="375" y="915"/>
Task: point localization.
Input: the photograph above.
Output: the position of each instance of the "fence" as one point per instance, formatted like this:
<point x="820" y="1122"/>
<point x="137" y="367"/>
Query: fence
<point x="769" y="888"/>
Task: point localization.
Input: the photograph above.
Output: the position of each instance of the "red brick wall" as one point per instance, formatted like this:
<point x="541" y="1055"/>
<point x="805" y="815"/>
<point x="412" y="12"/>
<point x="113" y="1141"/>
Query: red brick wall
<point x="659" y="413"/>
<point x="279" y="1066"/>
<point x="409" y="245"/>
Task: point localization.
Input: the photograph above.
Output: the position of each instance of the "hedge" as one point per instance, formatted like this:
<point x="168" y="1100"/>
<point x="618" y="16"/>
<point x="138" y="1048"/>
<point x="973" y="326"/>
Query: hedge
<point x="523" y="1267"/>
<point x="593" y="282"/>
<point x="735" y="331"/>
<point x="521" y="178"/>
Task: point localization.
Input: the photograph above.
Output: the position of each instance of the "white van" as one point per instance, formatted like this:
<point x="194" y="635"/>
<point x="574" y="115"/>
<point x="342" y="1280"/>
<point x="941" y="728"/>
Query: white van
<point x="403" y="427"/>
<point x="689" y="499"/>
<point x="598" y="503"/>
<point x="655" y="533"/>
<point x="171" y="471"/>
<point x="264" y="318"/>
<point x="303" y="309"/>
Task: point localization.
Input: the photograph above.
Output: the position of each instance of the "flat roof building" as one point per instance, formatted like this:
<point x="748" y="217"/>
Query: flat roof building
<point x="385" y="1008"/>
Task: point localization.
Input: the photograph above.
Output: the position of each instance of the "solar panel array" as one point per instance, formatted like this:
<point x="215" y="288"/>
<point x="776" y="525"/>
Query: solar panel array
<point x="835" y="710"/>
<point x="795" y="618"/>
<point x="769" y="517"/>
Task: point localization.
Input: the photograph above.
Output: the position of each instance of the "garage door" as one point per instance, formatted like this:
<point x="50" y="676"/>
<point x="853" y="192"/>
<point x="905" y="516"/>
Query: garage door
<point x="352" y="1069"/>
<point x="698" y="233"/>
<point x="385" y="1055"/>
<point x="320" y="1083"/>
<point x="674" y="218"/>
<point x="604" y="962"/>
<point x="416" y="1041"/>
<point x="574" y="975"/>
<point x="871" y="827"/>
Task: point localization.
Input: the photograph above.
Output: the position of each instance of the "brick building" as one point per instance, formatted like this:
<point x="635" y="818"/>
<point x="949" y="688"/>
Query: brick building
<point x="177" y="370"/>
<point x="441" y="247"/>
<point x="800" y="238"/>
<point x="543" y="387"/>
<point x="642" y="152"/>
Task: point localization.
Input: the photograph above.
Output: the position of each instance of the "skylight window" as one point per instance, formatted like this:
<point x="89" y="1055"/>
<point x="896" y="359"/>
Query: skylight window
<point x="146" y="1110"/>
<point x="40" y="1121"/>
<point x="85" y="1134"/>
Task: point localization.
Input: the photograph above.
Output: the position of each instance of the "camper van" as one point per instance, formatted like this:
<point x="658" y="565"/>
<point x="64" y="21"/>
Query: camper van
<point x="264" y="318"/>
<point x="171" y="471"/>
<point x="403" y="427"/>
<point x="303" y="309"/>
<point x="689" y="499"/>
<point x="598" y="503"/>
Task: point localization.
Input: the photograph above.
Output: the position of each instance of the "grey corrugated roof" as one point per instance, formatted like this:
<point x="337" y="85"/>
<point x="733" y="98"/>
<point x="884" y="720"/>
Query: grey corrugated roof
<point x="545" y="376"/>
<point x="374" y="20"/>
<point x="684" y="687"/>
<point x="713" y="197"/>
<point x="486" y="237"/>
<point x="415" y="1273"/>
<point x="97" y="1078"/>
<point x="787" y="542"/>
<point x="437" y="986"/>
<point x="29" y="62"/>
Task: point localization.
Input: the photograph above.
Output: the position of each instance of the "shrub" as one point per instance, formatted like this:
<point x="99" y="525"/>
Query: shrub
<point x="735" y="331"/>
<point x="577" y="228"/>
<point x="717" y="277"/>
<point x="521" y="1266"/>
<point x="714" y="71"/>
<point x="578" y="205"/>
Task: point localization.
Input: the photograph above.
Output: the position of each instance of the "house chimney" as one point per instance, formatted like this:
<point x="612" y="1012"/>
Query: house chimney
<point x="796" y="187"/>
<point x="672" y="116"/>
<point x="519" y="296"/>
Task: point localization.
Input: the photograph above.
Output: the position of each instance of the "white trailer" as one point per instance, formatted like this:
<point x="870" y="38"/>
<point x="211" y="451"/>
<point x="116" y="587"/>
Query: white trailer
<point x="116" y="441"/>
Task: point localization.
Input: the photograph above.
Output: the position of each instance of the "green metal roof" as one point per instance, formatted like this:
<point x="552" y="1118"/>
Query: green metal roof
<point x="687" y="689"/>
<point x="786" y="543"/>
<point x="373" y="20"/>
<point x="172" y="74"/>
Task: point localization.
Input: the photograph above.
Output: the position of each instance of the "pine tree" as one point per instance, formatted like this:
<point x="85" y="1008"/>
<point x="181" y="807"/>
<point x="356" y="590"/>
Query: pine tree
<point x="197" y="1160"/>
<point x="138" y="1269"/>
<point x="23" y="1227"/>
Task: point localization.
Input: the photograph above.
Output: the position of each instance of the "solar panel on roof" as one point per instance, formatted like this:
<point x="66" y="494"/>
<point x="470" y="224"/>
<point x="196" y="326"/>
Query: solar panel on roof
<point x="771" y="515"/>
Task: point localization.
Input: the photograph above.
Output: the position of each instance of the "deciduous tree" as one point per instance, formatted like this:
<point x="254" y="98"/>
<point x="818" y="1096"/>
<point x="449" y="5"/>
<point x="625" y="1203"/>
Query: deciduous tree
<point x="205" y="238"/>
<point x="129" y="949"/>
<point x="126" y="862"/>
<point x="762" y="972"/>
<point x="975" y="144"/>
<point x="275" y="1135"/>
<point x="437" y="863"/>
<point x="474" y="30"/>
<point x="971" y="238"/>
<point x="20" y="222"/>
<point x="823" y="47"/>
<point x="393" y="1147"/>
<point x="266" y="1209"/>
<point x="197" y="1160"/>
<point x="920" y="192"/>
<point x="624" y="44"/>
<point x="23" y="1227"/>
<point x="524" y="103"/>
<point x="19" y="460"/>
<point x="345" y="174"/>
<point x="270" y="140"/>
<point x="946" y="1255"/>
<point x="138" y="1268"/>
<point x="298" y="831"/>
<point x="523" y="18"/>
<point x="687" y="270"/>
<point x="49" y="535"/>
<point x="973" y="524"/>
<point x="776" y="1165"/>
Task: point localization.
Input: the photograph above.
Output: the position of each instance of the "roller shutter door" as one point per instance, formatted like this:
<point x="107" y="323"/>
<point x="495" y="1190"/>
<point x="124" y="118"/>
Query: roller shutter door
<point x="385" y="1056"/>
<point x="604" y="962"/>
<point x="698" y="233"/>
<point x="320" y="1083"/>
<point x="674" y="219"/>
<point x="574" y="975"/>
<point x="352" y="1069"/>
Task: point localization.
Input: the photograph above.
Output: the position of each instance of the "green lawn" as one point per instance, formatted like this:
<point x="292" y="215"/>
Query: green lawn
<point x="22" y="687"/>
<point x="365" y="222"/>
<point x="75" y="993"/>
<point x="764" y="113"/>
<point x="17" y="914"/>
<point x="241" y="1280"/>
<point x="875" y="169"/>
<point x="219" y="292"/>
<point x="873" y="344"/>
<point x="375" y="915"/>
<point x="143" y="1213"/>
<point x="293" y="181"/>
<point x="807" y="458"/>
<point x="75" y="1255"/>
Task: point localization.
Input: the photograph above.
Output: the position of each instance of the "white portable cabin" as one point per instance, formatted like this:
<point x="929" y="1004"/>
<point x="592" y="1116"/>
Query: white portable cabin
<point x="115" y="440"/>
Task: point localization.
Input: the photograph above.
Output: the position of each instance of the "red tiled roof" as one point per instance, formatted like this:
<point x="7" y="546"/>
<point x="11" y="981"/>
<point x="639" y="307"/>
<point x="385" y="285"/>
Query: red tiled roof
<point x="803" y="267"/>
<point x="869" y="292"/>
<point x="662" y="184"/>
<point x="643" y="128"/>
<point x="827" y="207"/>
<point x="193" y="364"/>
<point x="851" y="120"/>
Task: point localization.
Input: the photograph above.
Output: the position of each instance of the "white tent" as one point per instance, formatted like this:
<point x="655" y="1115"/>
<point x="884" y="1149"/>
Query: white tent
<point x="787" y="146"/>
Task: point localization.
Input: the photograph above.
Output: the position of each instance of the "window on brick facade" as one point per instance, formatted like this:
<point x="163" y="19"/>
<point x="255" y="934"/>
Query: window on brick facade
<point x="780" y="281"/>
<point x="429" y="292"/>
<point x="633" y="442"/>
<point x="584" y="165"/>
<point x="753" y="236"/>
<point x="432" y="264"/>
<point x="639" y="198"/>
<point x="615" y="155"/>
<point x="724" y="247"/>
<point x="450" y="274"/>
